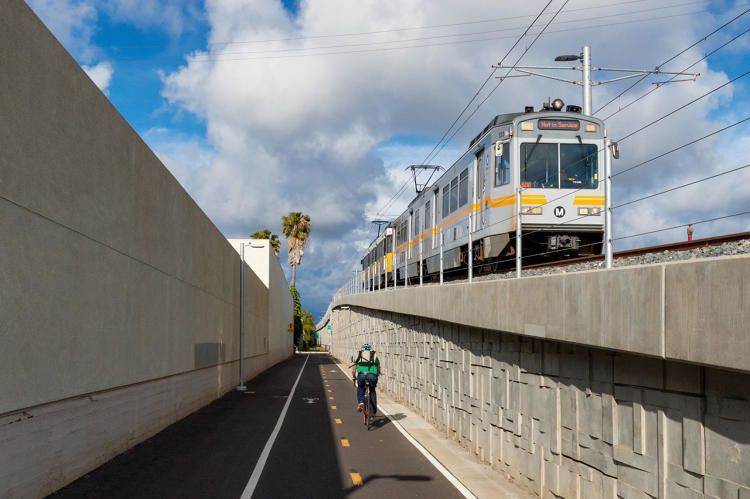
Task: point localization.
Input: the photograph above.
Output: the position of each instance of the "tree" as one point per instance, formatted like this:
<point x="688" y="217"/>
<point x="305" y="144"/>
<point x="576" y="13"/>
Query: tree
<point x="296" y="227"/>
<point x="272" y="238"/>
<point x="298" y="326"/>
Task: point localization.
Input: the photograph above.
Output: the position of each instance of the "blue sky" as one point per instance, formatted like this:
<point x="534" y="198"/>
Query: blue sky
<point x="330" y="135"/>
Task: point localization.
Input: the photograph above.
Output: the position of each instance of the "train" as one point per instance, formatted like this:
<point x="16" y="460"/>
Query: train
<point x="550" y="159"/>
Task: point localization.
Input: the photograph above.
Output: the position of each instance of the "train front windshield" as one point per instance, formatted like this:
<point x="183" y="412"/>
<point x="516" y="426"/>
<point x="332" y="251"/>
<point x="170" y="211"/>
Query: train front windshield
<point x="559" y="166"/>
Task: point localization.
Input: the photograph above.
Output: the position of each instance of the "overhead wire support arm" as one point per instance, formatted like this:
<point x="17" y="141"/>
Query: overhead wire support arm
<point x="587" y="82"/>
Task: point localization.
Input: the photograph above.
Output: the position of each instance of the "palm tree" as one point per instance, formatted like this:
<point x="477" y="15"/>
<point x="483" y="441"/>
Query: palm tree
<point x="273" y="238"/>
<point x="296" y="227"/>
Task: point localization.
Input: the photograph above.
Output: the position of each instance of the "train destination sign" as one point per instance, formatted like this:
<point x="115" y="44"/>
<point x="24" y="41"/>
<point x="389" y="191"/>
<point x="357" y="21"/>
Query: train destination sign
<point x="559" y="125"/>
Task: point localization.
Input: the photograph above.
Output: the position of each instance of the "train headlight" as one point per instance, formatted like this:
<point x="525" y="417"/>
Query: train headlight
<point x="591" y="127"/>
<point x="531" y="210"/>
<point x="527" y="126"/>
<point x="589" y="212"/>
<point x="557" y="104"/>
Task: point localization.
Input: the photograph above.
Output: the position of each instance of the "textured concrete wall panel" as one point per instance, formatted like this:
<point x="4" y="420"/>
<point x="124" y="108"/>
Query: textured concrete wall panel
<point x="565" y="420"/>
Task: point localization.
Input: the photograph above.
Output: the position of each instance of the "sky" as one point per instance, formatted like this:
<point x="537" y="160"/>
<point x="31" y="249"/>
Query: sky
<point x="262" y="107"/>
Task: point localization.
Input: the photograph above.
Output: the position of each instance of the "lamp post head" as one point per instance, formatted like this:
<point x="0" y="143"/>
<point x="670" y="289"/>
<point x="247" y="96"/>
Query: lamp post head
<point x="567" y="58"/>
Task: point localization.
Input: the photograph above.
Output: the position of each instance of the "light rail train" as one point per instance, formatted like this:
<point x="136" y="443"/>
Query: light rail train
<point x="545" y="155"/>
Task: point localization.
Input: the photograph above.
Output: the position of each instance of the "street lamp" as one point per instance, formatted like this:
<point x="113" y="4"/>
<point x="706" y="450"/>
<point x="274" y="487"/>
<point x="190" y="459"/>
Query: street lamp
<point x="241" y="387"/>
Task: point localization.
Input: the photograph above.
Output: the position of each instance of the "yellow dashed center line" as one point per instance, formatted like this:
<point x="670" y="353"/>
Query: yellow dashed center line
<point x="338" y="420"/>
<point x="333" y="407"/>
<point x="344" y="442"/>
<point x="356" y="479"/>
<point x="330" y="398"/>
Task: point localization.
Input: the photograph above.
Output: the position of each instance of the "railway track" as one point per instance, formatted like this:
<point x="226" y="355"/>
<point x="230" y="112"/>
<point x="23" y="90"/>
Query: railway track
<point x="681" y="246"/>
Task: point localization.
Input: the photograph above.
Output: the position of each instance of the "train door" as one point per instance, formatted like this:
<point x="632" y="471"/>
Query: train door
<point x="481" y="174"/>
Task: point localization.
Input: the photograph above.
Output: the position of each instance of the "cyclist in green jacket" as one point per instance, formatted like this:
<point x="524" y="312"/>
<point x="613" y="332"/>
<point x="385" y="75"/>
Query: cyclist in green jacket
<point x="366" y="369"/>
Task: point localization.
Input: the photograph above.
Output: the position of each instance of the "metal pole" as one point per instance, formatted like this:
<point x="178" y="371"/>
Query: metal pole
<point x="241" y="387"/>
<point x="518" y="232"/>
<point x="608" y="203"/>
<point x="406" y="265"/>
<point x="385" y="262"/>
<point x="586" y="59"/>
<point x="441" y="257"/>
<point x="377" y="269"/>
<point x="368" y="286"/>
<point x="470" y="254"/>
<point x="420" y="261"/>
<point x="393" y="260"/>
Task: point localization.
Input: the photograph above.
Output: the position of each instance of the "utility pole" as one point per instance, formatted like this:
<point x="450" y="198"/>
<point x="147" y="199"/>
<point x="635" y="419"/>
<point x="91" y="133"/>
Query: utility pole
<point x="586" y="68"/>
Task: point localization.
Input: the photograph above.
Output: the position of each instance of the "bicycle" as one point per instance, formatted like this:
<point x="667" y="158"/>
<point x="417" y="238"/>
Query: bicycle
<point x="367" y="403"/>
<point x="366" y="410"/>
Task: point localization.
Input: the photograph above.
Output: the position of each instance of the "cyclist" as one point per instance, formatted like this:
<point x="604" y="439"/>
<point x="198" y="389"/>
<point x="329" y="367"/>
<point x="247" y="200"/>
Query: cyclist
<point x="366" y="368"/>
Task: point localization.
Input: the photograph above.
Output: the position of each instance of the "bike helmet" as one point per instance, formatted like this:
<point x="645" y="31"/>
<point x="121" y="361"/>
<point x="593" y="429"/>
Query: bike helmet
<point x="365" y="346"/>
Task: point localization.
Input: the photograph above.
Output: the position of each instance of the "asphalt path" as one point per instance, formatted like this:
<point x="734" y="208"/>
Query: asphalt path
<point x="323" y="449"/>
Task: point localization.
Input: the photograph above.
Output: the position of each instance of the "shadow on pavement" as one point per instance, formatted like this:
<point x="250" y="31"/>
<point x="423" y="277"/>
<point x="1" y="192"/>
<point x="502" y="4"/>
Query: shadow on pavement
<point x="402" y="478"/>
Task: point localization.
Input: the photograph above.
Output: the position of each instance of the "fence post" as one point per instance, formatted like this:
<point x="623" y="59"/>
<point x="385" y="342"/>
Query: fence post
<point x="608" y="204"/>
<point x="441" y="256"/>
<point x="519" y="235"/>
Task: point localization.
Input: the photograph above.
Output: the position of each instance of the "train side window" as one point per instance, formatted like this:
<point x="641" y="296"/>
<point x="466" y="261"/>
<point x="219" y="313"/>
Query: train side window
<point x="427" y="217"/>
<point x="463" y="187"/>
<point x="454" y="194"/>
<point x="416" y="223"/>
<point x="446" y="196"/>
<point x="502" y="167"/>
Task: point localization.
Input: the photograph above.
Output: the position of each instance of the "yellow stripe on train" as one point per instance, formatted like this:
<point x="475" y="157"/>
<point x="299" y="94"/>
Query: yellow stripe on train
<point x="588" y="200"/>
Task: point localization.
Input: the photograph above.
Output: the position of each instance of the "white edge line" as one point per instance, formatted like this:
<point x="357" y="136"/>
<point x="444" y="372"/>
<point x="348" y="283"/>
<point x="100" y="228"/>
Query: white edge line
<point x="432" y="459"/>
<point x="261" y="464"/>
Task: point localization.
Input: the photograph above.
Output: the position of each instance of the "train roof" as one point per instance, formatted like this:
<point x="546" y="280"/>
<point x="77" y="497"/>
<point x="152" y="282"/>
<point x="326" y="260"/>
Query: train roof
<point x="499" y="119"/>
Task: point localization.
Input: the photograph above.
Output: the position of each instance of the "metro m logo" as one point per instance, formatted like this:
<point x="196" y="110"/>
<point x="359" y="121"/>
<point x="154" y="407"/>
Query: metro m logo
<point x="559" y="211"/>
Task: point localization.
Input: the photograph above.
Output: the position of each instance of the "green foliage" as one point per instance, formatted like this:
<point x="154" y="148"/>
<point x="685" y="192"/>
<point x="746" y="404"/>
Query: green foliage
<point x="273" y="238"/>
<point x="298" y="329"/>
<point x="295" y="299"/>
<point x="304" y="324"/>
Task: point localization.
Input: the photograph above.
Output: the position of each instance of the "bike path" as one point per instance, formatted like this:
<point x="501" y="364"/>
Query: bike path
<point x="322" y="449"/>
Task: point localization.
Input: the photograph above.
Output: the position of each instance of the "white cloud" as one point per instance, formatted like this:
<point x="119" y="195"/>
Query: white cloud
<point x="101" y="74"/>
<point x="313" y="133"/>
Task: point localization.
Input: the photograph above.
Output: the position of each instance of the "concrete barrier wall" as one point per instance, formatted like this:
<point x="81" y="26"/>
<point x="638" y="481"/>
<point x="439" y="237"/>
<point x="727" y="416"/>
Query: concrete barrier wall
<point x="695" y="311"/>
<point x="565" y="420"/>
<point x="119" y="299"/>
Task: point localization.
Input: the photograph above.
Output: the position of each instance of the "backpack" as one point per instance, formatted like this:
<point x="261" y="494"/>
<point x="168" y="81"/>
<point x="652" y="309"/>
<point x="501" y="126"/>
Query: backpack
<point x="365" y="358"/>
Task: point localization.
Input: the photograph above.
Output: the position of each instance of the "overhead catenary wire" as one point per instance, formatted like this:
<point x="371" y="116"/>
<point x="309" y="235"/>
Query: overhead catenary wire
<point x="415" y="28"/>
<point x="644" y="127"/>
<point x="476" y="94"/>
<point x="504" y="29"/>
<point x="637" y="165"/>
<point x="212" y="58"/>
<point x="501" y="80"/>
<point x="676" y="188"/>
<point x="678" y="54"/>
<point x="643" y="96"/>
<point x="484" y="83"/>
<point x="663" y="229"/>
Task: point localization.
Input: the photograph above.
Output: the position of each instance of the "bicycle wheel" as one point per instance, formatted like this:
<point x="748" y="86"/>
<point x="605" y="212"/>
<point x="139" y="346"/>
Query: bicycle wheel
<point x="366" y="410"/>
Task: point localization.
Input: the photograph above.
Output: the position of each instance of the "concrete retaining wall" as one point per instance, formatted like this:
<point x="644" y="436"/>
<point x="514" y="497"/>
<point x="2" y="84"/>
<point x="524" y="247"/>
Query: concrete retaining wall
<point x="119" y="299"/>
<point x="565" y="420"/>
<point x="696" y="311"/>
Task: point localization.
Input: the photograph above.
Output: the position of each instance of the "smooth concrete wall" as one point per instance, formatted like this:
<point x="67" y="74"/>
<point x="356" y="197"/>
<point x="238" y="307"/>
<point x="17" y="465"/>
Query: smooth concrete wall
<point x="565" y="420"/>
<point x="114" y="285"/>
<point x="696" y="311"/>
<point x="260" y="257"/>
